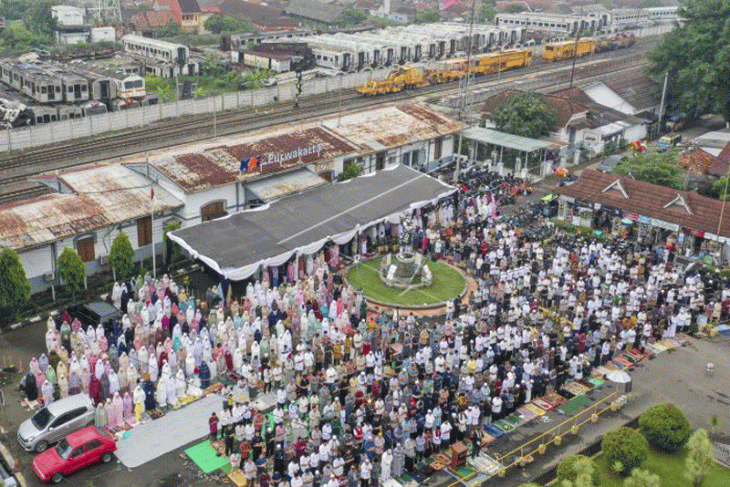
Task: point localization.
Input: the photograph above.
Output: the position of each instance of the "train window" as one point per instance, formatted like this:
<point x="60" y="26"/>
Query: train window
<point x="44" y="89"/>
<point x="83" y="87"/>
<point x="70" y="89"/>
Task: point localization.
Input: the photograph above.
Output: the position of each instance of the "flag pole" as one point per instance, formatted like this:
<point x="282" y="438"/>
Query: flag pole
<point x="152" y="221"/>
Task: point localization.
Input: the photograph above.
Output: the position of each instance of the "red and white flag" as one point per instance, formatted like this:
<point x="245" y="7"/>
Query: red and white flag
<point x="152" y="193"/>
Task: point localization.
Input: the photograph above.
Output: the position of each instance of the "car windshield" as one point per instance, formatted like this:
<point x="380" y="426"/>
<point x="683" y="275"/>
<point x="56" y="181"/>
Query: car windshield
<point x="63" y="449"/>
<point x="41" y="419"/>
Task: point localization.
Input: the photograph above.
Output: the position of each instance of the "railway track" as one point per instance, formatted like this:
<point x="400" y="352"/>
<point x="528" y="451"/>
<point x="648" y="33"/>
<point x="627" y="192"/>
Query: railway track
<point x="174" y="131"/>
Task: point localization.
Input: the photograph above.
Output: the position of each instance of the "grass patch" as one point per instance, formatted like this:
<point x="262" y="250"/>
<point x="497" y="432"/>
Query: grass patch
<point x="669" y="468"/>
<point x="447" y="284"/>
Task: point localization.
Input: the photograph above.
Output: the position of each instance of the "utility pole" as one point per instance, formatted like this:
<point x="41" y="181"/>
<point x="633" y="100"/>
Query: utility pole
<point x="661" y="106"/>
<point x="465" y="89"/>
<point x="575" y="49"/>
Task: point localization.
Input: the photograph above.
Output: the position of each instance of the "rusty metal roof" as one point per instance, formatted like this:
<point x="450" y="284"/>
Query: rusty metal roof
<point x="392" y="126"/>
<point x="278" y="148"/>
<point x="103" y="196"/>
<point x="286" y="146"/>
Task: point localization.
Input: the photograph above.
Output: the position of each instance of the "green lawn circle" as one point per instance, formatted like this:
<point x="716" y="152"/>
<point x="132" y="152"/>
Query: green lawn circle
<point x="447" y="284"/>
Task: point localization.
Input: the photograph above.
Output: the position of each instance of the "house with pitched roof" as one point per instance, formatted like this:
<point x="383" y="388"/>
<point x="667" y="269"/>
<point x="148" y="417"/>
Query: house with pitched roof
<point x="698" y="226"/>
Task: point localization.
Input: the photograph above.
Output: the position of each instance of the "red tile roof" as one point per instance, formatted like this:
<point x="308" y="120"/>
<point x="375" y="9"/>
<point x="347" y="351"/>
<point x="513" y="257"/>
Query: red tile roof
<point x="667" y="204"/>
<point x="697" y="161"/>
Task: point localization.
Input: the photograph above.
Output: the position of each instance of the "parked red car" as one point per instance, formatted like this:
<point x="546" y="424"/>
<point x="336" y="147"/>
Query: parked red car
<point x="78" y="450"/>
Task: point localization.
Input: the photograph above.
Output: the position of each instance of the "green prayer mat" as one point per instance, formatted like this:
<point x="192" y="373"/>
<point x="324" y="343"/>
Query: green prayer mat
<point x="574" y="404"/>
<point x="206" y="457"/>
<point x="464" y="471"/>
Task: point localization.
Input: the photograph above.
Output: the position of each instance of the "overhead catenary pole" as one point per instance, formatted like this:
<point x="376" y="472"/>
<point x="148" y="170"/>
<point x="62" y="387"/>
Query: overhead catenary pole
<point x="664" y="98"/>
<point x="152" y="223"/>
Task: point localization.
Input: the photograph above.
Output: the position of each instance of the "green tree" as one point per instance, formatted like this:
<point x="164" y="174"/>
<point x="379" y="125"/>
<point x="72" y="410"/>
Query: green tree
<point x="38" y="19"/>
<point x="219" y="23"/>
<point x="653" y="167"/>
<point x="171" y="29"/>
<point x="642" y="478"/>
<point x="14" y="286"/>
<point x="353" y="16"/>
<point x="514" y="8"/>
<point x="700" y="460"/>
<point x="121" y="257"/>
<point x="71" y="270"/>
<point x="527" y="115"/>
<point x="625" y="446"/>
<point x="696" y="58"/>
<point x="577" y="471"/>
<point x="720" y="188"/>
<point x="665" y="426"/>
<point x="428" y="16"/>
<point x="351" y="170"/>
<point x="528" y="484"/>
<point x="487" y="12"/>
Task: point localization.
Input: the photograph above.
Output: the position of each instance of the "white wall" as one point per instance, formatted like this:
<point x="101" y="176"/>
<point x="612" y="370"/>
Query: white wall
<point x="99" y="34"/>
<point x="36" y="262"/>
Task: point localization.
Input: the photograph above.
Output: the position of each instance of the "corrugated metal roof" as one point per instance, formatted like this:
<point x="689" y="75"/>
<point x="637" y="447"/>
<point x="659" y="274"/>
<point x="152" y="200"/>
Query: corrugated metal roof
<point x="288" y="146"/>
<point x="105" y="195"/>
<point x="278" y="150"/>
<point x="392" y="126"/>
<point x="503" y="139"/>
<point x="275" y="187"/>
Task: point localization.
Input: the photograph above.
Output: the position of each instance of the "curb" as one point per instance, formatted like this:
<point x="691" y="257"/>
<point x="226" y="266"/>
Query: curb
<point x="10" y="460"/>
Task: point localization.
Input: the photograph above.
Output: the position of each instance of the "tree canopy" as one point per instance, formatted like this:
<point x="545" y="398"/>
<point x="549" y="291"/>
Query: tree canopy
<point x="121" y="256"/>
<point x="700" y="461"/>
<point x="14" y="286"/>
<point x="428" y="16"/>
<point x="219" y="23"/>
<point x="171" y="29"/>
<point x="653" y="167"/>
<point x="71" y="270"/>
<point x="665" y="426"/>
<point x="526" y="115"/>
<point x="696" y="57"/>
<point x="625" y="447"/>
<point x="353" y="16"/>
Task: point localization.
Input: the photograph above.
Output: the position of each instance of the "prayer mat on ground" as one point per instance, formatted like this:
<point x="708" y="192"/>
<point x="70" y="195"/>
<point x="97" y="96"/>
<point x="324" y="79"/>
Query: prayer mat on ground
<point x="419" y="476"/>
<point x="484" y="463"/>
<point x="566" y="394"/>
<point x="205" y="457"/>
<point x="504" y="425"/>
<point x="574" y="405"/>
<point x="493" y="431"/>
<point x="553" y="399"/>
<point x="487" y="440"/>
<point x="623" y="361"/>
<point x="575" y="388"/>
<point x="238" y="478"/>
<point x="540" y="405"/>
<point x="595" y="382"/>
<point x="528" y="413"/>
<point x="464" y="471"/>
<point x="515" y="419"/>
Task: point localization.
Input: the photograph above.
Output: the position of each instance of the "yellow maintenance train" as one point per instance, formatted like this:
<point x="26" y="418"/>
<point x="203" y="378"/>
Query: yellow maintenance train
<point x="452" y="69"/>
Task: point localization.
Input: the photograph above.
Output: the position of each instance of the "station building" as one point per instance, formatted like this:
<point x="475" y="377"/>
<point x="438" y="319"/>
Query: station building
<point x="208" y="180"/>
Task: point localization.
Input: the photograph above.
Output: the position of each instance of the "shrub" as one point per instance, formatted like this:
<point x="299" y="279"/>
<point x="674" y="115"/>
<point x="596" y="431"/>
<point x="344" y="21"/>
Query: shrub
<point x="573" y="466"/>
<point x="665" y="427"/>
<point x="625" y="446"/>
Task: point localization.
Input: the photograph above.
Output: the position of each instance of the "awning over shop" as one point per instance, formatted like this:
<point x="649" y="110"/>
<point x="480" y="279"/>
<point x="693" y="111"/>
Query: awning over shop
<point x="277" y="186"/>
<point x="235" y="246"/>
<point x="503" y="139"/>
